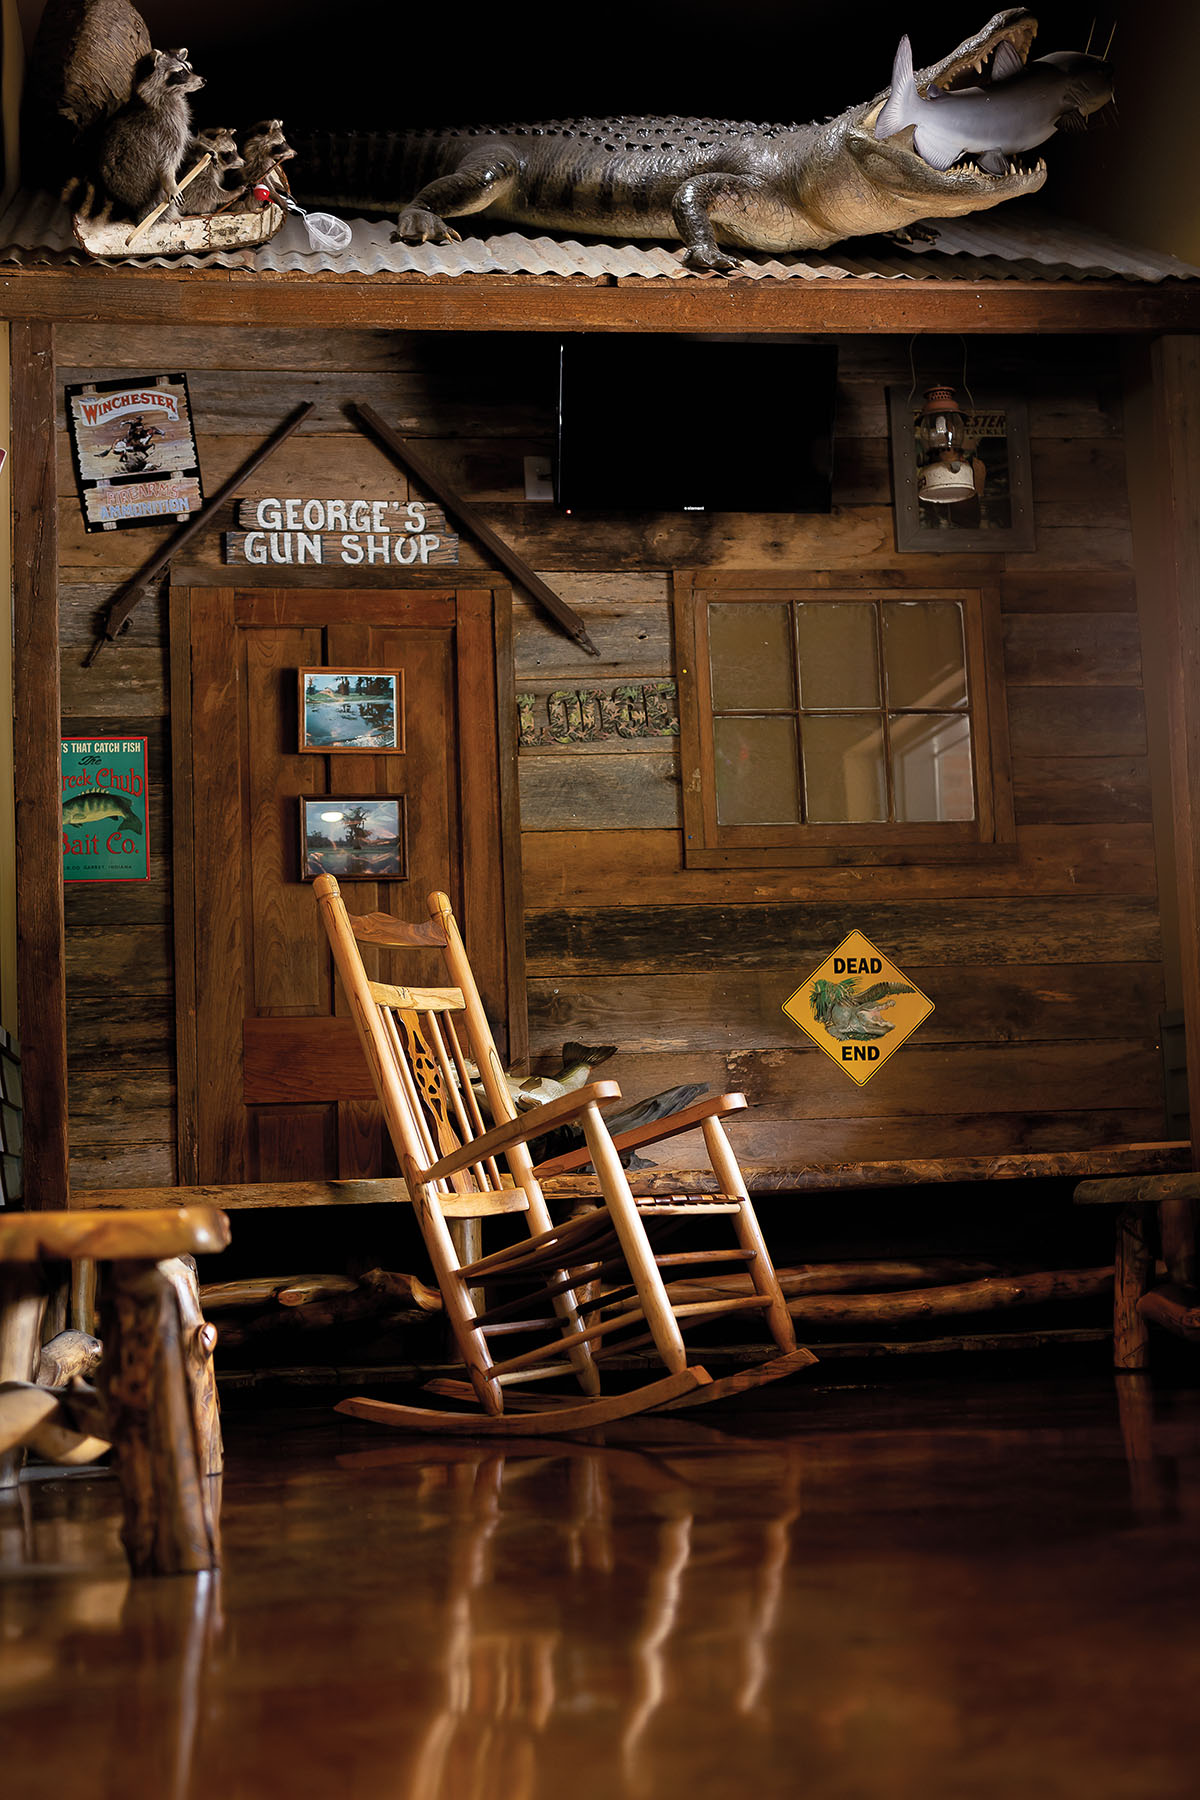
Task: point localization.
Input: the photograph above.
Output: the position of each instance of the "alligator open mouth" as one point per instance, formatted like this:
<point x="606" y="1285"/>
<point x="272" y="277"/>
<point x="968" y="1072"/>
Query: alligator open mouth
<point x="896" y="162"/>
<point x="973" y="58"/>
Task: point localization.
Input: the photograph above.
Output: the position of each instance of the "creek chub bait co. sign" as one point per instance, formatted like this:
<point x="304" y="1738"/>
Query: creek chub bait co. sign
<point x="105" y="813"/>
<point x="348" y="533"/>
<point x="858" y="1007"/>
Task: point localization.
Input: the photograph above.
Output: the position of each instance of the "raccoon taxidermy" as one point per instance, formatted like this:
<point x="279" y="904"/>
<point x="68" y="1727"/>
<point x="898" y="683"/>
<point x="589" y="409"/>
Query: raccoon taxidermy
<point x="266" y="148"/>
<point x="144" y="145"/>
<point x="224" y="178"/>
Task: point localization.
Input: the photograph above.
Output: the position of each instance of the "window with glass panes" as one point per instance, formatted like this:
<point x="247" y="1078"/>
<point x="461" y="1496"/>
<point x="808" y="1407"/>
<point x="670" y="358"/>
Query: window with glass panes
<point x="817" y="716"/>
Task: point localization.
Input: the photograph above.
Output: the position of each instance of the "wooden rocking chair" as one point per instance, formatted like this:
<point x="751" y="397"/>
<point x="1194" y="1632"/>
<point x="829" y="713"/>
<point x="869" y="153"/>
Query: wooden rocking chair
<point x="573" y="1294"/>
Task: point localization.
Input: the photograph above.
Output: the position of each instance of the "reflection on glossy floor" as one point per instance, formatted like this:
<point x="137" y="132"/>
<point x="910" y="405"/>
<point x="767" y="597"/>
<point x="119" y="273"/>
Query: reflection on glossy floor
<point x="931" y="1592"/>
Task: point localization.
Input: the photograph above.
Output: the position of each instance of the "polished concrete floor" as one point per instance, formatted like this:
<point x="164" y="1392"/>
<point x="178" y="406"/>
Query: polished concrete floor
<point x="960" y="1590"/>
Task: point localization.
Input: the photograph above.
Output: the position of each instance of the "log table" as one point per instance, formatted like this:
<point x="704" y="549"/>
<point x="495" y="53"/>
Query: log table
<point x="1143" y="1202"/>
<point x="156" y="1401"/>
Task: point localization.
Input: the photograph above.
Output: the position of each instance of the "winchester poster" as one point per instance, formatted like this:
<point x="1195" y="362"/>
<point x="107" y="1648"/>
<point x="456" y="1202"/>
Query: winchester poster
<point x="105" y="813"/>
<point x="135" y="456"/>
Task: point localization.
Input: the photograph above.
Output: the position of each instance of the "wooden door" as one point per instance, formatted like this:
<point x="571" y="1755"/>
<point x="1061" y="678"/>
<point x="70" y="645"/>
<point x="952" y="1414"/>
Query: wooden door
<point x="272" y="1084"/>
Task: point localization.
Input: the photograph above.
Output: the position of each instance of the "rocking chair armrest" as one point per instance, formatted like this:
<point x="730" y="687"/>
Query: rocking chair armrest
<point x="525" y="1126"/>
<point x="672" y="1126"/>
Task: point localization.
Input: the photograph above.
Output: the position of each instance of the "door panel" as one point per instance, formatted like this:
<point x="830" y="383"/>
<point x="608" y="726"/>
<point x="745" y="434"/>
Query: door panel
<point x="272" y="1083"/>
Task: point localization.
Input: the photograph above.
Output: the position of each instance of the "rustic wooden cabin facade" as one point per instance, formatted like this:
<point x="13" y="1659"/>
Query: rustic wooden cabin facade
<point x="176" y="1031"/>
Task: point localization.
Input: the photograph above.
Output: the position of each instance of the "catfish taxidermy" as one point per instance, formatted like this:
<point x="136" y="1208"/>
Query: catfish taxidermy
<point x="1017" y="109"/>
<point x="713" y="183"/>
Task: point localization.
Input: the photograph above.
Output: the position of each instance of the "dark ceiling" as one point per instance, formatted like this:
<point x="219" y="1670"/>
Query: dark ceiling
<point x="367" y="64"/>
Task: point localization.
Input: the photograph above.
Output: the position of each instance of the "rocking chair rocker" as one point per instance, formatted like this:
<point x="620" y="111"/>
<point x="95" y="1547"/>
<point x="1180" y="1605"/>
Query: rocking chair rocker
<point x="575" y="1294"/>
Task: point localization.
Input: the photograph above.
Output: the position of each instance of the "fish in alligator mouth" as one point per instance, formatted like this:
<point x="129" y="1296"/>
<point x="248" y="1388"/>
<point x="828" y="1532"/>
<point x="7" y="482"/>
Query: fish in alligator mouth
<point x="893" y="161"/>
<point x="1017" y="107"/>
<point x="717" y="183"/>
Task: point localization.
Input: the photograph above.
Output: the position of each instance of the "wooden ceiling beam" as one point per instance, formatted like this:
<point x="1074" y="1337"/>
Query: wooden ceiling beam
<point x="530" y="303"/>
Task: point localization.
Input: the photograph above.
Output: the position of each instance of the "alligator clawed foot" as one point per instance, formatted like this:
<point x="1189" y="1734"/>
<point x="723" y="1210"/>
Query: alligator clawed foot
<point x="710" y="261"/>
<point x="911" y="234"/>
<point x="416" y="225"/>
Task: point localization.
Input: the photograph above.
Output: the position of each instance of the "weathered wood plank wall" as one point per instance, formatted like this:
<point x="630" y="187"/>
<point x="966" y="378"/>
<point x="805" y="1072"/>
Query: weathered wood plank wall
<point x="1046" y="970"/>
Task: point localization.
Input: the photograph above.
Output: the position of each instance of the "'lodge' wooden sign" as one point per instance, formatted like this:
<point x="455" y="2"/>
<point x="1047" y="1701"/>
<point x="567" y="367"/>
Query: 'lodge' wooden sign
<point x="348" y="533"/>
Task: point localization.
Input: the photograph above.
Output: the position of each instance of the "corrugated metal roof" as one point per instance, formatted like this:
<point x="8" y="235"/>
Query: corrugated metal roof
<point x="1015" y="243"/>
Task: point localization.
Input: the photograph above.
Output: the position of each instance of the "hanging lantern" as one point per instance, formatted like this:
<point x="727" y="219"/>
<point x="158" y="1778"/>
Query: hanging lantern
<point x="947" y="471"/>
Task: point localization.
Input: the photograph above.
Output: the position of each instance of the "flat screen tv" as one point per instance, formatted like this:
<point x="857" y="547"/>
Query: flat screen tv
<point x="669" y="424"/>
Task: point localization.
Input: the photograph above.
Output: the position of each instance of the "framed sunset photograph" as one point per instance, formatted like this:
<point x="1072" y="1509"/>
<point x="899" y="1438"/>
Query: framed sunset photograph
<point x="356" y="710"/>
<point x="355" y="839"/>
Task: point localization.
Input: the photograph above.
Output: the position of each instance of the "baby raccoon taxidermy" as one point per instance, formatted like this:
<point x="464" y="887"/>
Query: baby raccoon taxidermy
<point x="145" y="143"/>
<point x="222" y="181"/>
<point x="266" y="148"/>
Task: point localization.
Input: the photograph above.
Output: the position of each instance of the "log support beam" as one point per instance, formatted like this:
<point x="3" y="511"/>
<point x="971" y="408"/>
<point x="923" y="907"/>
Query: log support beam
<point x="1175" y="361"/>
<point x="1133" y="1274"/>
<point x="162" y="1453"/>
<point x="41" y="966"/>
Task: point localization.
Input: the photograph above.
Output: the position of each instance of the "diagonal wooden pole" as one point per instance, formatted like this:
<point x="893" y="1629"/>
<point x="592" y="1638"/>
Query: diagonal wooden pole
<point x="413" y="463"/>
<point x="127" y="598"/>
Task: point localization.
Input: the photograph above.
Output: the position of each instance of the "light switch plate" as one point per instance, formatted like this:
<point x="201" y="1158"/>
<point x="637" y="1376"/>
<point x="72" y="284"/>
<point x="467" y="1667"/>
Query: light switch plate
<point x="539" y="482"/>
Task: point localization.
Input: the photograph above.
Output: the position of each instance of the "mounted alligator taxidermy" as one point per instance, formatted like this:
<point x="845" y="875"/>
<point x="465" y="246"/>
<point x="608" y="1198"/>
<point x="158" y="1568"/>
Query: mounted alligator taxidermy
<point x="941" y="141"/>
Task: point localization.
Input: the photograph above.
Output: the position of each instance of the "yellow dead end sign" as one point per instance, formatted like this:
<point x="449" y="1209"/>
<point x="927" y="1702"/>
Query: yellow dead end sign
<point x="858" y="1007"/>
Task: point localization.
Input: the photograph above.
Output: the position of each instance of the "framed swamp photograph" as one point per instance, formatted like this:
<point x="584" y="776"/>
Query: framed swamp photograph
<point x="960" y="472"/>
<point x="355" y="839"/>
<point x="352" y="710"/>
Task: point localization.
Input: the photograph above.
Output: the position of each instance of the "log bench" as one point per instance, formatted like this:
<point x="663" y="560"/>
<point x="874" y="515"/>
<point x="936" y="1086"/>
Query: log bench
<point x="155" y="1402"/>
<point x="763" y="1180"/>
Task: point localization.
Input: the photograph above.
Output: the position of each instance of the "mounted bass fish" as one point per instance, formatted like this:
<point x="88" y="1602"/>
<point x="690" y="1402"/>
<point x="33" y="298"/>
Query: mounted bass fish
<point x="879" y="167"/>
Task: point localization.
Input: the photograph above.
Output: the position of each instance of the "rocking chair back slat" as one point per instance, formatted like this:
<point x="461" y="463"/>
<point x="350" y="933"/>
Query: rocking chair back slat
<point x="416" y="999"/>
<point x="487" y="1172"/>
<point x="394" y="934"/>
<point x="414" y="1134"/>
<point x="466" y="1087"/>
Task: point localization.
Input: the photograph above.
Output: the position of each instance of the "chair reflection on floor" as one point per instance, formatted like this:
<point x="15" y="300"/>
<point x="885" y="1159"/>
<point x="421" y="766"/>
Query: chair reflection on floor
<point x="505" y="1684"/>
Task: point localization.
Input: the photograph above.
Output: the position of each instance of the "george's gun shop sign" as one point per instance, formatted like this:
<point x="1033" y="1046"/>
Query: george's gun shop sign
<point x="347" y="533"/>
<point x="105" y="812"/>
